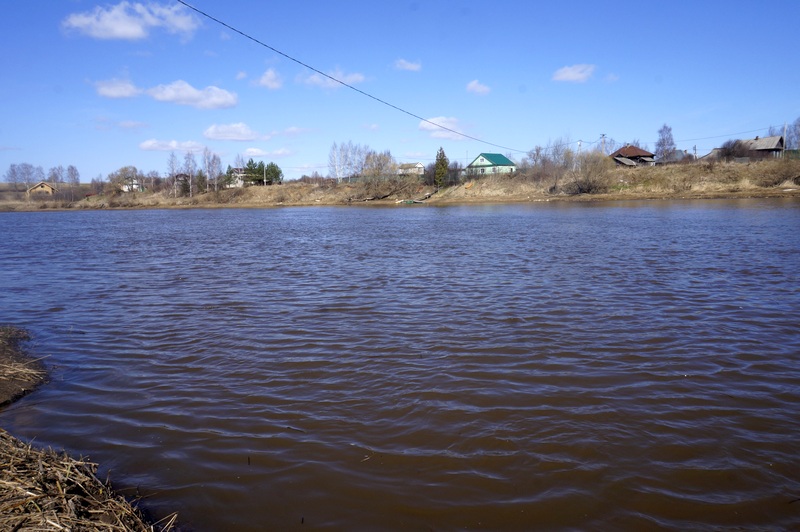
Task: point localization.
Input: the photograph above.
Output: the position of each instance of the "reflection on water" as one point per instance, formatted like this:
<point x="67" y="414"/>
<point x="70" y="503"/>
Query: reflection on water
<point x="629" y="366"/>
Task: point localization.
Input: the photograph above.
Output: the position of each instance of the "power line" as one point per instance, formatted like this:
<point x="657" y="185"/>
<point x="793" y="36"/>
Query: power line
<point x="336" y="80"/>
<point x="722" y="136"/>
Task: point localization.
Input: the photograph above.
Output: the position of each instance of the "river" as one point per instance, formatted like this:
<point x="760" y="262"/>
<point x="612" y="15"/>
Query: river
<point x="546" y="366"/>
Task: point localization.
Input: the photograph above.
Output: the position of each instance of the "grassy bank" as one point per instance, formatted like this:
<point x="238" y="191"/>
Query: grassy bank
<point x="44" y="490"/>
<point x="594" y="181"/>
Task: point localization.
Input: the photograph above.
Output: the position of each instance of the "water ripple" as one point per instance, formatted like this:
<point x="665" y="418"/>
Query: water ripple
<point x="631" y="366"/>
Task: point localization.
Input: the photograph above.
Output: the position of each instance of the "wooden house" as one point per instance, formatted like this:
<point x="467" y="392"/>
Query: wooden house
<point x="633" y="156"/>
<point x="42" y="187"/>
<point x="411" y="169"/>
<point x="490" y="163"/>
<point x="765" y="147"/>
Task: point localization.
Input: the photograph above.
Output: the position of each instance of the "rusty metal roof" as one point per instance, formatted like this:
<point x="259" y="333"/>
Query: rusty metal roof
<point x="631" y="151"/>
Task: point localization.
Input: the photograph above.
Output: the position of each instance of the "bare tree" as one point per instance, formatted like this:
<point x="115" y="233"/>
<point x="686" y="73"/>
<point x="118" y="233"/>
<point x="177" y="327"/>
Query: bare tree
<point x="379" y="164"/>
<point x="38" y="175"/>
<point x="29" y="174"/>
<point x="73" y="176"/>
<point x="97" y="184"/>
<point x="454" y="171"/>
<point x="74" y="180"/>
<point x="173" y="169"/>
<point x="347" y="160"/>
<point x="12" y="176"/>
<point x="206" y="161"/>
<point x="734" y="149"/>
<point x="190" y="169"/>
<point x="793" y="135"/>
<point x="356" y="157"/>
<point x="336" y="163"/>
<point x="155" y="179"/>
<point x="213" y="166"/>
<point x="56" y="175"/>
<point x="665" y="145"/>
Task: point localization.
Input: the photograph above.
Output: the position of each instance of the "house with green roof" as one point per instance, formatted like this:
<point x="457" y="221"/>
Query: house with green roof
<point x="490" y="163"/>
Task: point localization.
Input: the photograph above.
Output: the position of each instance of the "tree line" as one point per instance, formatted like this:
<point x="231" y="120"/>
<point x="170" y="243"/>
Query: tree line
<point x="355" y="162"/>
<point x="348" y="162"/>
<point x="182" y="178"/>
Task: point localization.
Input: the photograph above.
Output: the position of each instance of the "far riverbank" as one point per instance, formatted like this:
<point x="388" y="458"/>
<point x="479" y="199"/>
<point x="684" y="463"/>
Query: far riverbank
<point x="761" y="179"/>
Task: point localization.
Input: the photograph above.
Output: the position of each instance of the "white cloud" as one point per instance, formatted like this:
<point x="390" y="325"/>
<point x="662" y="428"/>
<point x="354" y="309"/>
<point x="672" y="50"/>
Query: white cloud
<point x="132" y="124"/>
<point x="182" y="93"/>
<point x="271" y="80"/>
<point x="574" y="73"/>
<point x="254" y="152"/>
<point x="402" y="64"/>
<point x="241" y="75"/>
<point x="117" y="88"/>
<point x="132" y="21"/>
<point x="477" y="87"/>
<point x="238" y="131"/>
<point x="450" y="123"/>
<point x="371" y="127"/>
<point x="258" y="152"/>
<point x="295" y="130"/>
<point x="319" y="80"/>
<point x="170" y="145"/>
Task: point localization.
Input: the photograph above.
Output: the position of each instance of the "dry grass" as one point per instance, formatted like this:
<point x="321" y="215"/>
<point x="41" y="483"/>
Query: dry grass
<point x="708" y="177"/>
<point x="18" y="374"/>
<point x="598" y="181"/>
<point x="42" y="490"/>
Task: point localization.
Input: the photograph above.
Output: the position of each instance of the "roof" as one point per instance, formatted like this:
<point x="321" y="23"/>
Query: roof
<point x="410" y="165"/>
<point x="43" y="184"/>
<point x="624" y="161"/>
<point x="631" y="151"/>
<point x="495" y="159"/>
<point x="765" y="143"/>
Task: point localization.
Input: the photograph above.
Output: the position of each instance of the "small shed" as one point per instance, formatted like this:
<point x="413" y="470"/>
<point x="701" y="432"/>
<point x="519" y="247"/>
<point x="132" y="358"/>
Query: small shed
<point x="42" y="187"/>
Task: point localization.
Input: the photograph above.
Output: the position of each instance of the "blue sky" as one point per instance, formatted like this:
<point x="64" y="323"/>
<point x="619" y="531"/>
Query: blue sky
<point x="104" y="85"/>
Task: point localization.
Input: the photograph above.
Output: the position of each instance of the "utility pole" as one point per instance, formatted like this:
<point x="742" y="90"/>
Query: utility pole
<point x="603" y="137"/>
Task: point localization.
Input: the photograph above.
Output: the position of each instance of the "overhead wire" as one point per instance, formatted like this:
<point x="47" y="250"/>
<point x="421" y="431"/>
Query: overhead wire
<point x="340" y="82"/>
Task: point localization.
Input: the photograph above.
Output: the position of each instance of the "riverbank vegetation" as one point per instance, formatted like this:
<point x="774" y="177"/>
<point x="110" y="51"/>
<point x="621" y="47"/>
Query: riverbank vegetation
<point x="44" y="490"/>
<point x="589" y="177"/>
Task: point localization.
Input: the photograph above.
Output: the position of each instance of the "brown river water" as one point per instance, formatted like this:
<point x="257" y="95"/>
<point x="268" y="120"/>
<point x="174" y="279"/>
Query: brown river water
<point x="616" y="366"/>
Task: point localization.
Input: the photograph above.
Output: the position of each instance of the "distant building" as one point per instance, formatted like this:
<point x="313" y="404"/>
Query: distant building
<point x="236" y="178"/>
<point x="132" y="186"/>
<point x="633" y="156"/>
<point x="747" y="150"/>
<point x="411" y="169"/>
<point x="762" y="148"/>
<point x="42" y="187"/>
<point x="490" y="163"/>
